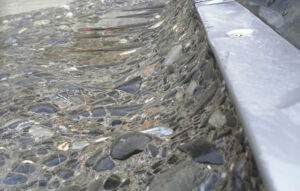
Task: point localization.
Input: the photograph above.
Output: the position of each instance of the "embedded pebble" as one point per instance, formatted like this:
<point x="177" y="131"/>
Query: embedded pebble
<point x="79" y="145"/>
<point x="98" y="112"/>
<point x="203" y="152"/>
<point x="4" y="76"/>
<point x="153" y="150"/>
<point x="43" y="108"/>
<point x="104" y="163"/>
<point x="65" y="173"/>
<point x="55" y="159"/>
<point x="12" y="179"/>
<point x="131" y="86"/>
<point x="184" y="176"/>
<point x="129" y="144"/>
<point x="217" y="119"/>
<point x="92" y="159"/>
<point x="25" y="168"/>
<point x="112" y="182"/>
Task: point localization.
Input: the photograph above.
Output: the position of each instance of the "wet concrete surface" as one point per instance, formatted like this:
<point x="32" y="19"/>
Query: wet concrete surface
<point x="117" y="95"/>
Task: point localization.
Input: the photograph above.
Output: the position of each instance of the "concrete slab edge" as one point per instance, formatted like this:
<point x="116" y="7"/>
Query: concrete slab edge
<point x="261" y="70"/>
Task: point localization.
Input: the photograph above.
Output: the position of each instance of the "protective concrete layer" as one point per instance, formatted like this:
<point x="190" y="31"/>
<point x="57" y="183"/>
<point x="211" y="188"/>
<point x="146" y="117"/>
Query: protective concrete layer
<point x="262" y="73"/>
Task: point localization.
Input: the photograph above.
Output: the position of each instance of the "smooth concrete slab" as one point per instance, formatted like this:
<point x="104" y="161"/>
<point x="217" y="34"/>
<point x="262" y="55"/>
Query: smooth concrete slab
<point x="262" y="72"/>
<point x="12" y="7"/>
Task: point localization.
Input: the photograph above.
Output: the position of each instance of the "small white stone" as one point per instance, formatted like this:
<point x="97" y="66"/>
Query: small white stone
<point x="27" y="162"/>
<point x="128" y="52"/>
<point x="64" y="28"/>
<point x="22" y="30"/>
<point x="157" y="25"/>
<point x="66" y="7"/>
<point x="217" y="119"/>
<point x="102" y="139"/>
<point x="123" y="41"/>
<point x="175" y="27"/>
<point x="64" y="146"/>
<point x="41" y="22"/>
<point x="223" y="175"/>
<point x="70" y="69"/>
<point x="63" y="128"/>
<point x="149" y="100"/>
<point x="69" y="15"/>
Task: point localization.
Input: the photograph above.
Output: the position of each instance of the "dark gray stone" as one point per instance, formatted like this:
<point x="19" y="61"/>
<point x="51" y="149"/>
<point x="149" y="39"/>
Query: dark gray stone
<point x="54" y="184"/>
<point x="14" y="125"/>
<point x="55" y="159"/>
<point x="238" y="182"/>
<point x="183" y="177"/>
<point x="42" y="151"/>
<point x="129" y="144"/>
<point x="153" y="150"/>
<point x="105" y="163"/>
<point x="26" y="140"/>
<point x="126" y="183"/>
<point x="99" y="112"/>
<point x="3" y="158"/>
<point x="112" y="182"/>
<point x="25" y="168"/>
<point x="2" y="76"/>
<point x="12" y="179"/>
<point x="202" y="151"/>
<point x="65" y="173"/>
<point x="92" y="159"/>
<point x="95" y="132"/>
<point x="85" y="114"/>
<point x="131" y="86"/>
<point x="43" y="108"/>
<point x="42" y="183"/>
<point x="173" y="159"/>
<point x="116" y="122"/>
<point x="72" y="163"/>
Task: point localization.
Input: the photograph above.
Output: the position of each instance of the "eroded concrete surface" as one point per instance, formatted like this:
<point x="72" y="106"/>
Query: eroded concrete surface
<point x="116" y="95"/>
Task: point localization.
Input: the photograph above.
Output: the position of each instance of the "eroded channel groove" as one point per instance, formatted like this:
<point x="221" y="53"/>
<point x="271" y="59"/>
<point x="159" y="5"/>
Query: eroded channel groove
<point x="148" y="111"/>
